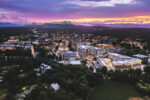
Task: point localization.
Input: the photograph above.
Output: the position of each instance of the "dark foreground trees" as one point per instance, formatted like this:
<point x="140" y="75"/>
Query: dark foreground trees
<point x="78" y="80"/>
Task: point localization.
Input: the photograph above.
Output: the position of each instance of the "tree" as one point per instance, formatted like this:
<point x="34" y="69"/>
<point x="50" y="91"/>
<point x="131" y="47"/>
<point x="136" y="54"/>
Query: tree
<point x="147" y="74"/>
<point x="70" y="46"/>
<point x="104" y="70"/>
<point x="94" y="58"/>
<point x="121" y="76"/>
<point x="147" y="70"/>
<point x="91" y="68"/>
<point x="94" y="79"/>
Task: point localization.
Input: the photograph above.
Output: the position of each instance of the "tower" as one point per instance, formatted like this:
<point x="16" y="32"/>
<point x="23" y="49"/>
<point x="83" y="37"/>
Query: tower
<point x="33" y="51"/>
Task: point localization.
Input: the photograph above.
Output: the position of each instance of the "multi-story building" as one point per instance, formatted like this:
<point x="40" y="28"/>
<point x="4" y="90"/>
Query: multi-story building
<point x="85" y="51"/>
<point x="124" y="62"/>
<point x="70" y="57"/>
<point x="144" y="58"/>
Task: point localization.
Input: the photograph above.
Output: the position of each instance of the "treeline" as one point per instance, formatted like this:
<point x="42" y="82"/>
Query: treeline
<point x="15" y="30"/>
<point x="9" y="57"/>
<point x="125" y="33"/>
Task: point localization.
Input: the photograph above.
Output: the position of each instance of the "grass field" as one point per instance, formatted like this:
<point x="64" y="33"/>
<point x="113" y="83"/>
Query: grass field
<point x="109" y="90"/>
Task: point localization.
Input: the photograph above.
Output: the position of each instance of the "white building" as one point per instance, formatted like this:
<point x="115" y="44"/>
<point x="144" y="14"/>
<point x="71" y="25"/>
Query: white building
<point x="55" y="86"/>
<point x="144" y="58"/>
<point x="124" y="62"/>
<point x="149" y="59"/>
<point x="133" y="63"/>
<point x="75" y="62"/>
<point x="106" y="62"/>
<point x="85" y="51"/>
<point x="70" y="57"/>
<point x="42" y="69"/>
<point x="116" y="56"/>
<point x="120" y="62"/>
<point x="1" y="79"/>
<point x="140" y="56"/>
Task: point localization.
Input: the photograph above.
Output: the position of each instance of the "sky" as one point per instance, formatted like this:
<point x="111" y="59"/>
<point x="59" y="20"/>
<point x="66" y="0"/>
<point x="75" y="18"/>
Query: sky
<point x="77" y="11"/>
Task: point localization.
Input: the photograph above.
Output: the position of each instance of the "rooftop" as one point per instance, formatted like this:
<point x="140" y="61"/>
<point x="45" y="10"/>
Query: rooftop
<point x="140" y="56"/>
<point x="55" y="86"/>
<point x="75" y="62"/>
<point x="119" y="55"/>
<point x="87" y="47"/>
<point x="129" y="61"/>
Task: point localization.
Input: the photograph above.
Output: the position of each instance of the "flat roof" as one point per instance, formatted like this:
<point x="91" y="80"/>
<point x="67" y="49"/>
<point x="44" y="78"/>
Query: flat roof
<point x="75" y="62"/>
<point x="119" y="55"/>
<point x="88" y="47"/>
<point x="105" y="44"/>
<point x="55" y="86"/>
<point x="140" y="56"/>
<point x="132" y="60"/>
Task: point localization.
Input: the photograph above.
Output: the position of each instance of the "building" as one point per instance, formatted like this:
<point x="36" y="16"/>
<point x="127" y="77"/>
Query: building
<point x="104" y="46"/>
<point x="33" y="51"/>
<point x="75" y="62"/>
<point x="124" y="62"/>
<point x="1" y="79"/>
<point x="119" y="62"/>
<point x="85" y="51"/>
<point x="149" y="59"/>
<point x="70" y="57"/>
<point x="133" y="63"/>
<point x="63" y="47"/>
<point x="42" y="69"/>
<point x="116" y="56"/>
<point x="106" y="62"/>
<point x="13" y="40"/>
<point x="143" y="57"/>
<point x="55" y="86"/>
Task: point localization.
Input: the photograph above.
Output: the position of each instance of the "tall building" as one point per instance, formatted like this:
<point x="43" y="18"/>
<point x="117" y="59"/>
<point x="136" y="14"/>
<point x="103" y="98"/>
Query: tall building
<point x="33" y="51"/>
<point x="85" y="51"/>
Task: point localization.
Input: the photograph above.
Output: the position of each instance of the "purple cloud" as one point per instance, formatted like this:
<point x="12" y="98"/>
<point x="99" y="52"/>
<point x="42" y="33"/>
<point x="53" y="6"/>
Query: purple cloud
<point x="66" y="9"/>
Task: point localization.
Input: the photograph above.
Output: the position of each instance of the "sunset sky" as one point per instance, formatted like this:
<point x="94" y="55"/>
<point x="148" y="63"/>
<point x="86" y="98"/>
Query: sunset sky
<point x="77" y="11"/>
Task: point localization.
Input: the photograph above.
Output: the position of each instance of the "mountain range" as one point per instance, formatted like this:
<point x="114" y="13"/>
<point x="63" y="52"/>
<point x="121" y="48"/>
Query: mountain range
<point x="68" y="23"/>
<point x="6" y="24"/>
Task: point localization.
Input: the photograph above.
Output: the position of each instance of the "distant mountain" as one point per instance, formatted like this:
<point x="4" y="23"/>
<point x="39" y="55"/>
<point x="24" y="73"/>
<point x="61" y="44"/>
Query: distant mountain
<point x="121" y="25"/>
<point x="114" y="25"/>
<point x="63" y="23"/>
<point x="5" y="24"/>
<point x="69" y="24"/>
<point x="129" y="25"/>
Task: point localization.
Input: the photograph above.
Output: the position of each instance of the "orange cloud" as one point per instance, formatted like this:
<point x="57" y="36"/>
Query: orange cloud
<point x="131" y="20"/>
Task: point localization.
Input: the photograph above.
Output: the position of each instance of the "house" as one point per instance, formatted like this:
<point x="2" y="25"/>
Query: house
<point x="42" y="69"/>
<point x="55" y="86"/>
<point x="75" y="62"/>
<point x="1" y="79"/>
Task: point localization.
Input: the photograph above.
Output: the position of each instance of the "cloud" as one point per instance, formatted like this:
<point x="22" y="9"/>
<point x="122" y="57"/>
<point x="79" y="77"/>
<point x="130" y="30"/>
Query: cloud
<point x="90" y="3"/>
<point x="2" y="16"/>
<point x="123" y="1"/>
<point x="40" y="10"/>
<point x="101" y="3"/>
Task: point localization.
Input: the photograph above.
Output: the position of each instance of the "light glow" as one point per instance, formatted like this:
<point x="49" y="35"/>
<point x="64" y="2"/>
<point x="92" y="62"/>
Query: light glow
<point x="130" y="20"/>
